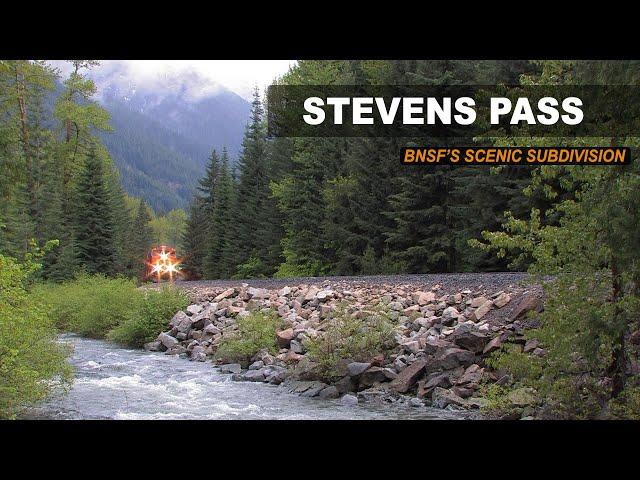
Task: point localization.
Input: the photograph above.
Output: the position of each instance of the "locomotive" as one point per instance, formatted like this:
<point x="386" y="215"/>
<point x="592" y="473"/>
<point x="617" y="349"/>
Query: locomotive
<point x="162" y="264"/>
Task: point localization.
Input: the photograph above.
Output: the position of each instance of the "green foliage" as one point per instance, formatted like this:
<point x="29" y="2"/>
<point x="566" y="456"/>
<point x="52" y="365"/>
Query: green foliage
<point x="627" y="406"/>
<point x="92" y="305"/>
<point x="144" y="325"/>
<point x="31" y="361"/>
<point x="112" y="308"/>
<point x="256" y="331"/>
<point x="95" y="229"/>
<point x="294" y="267"/>
<point x="349" y="337"/>
<point x="588" y="239"/>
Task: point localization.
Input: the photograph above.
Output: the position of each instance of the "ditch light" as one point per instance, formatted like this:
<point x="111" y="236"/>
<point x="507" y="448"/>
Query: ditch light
<point x="162" y="264"/>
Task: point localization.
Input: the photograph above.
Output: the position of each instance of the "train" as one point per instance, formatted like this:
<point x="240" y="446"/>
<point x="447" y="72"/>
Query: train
<point x="162" y="264"/>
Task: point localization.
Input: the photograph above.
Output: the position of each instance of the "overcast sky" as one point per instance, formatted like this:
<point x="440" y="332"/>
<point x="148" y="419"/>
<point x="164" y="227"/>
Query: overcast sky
<point x="239" y="76"/>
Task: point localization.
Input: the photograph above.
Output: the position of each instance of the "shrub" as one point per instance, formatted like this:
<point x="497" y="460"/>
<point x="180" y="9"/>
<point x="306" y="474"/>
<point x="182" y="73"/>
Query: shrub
<point x="92" y="305"/>
<point x="348" y="337"/>
<point x="112" y="308"/>
<point x="30" y="357"/>
<point x="154" y="314"/>
<point x="256" y="331"/>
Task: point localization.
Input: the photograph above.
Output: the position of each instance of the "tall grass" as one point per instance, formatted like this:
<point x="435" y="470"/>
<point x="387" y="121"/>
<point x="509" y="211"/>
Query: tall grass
<point x="100" y="307"/>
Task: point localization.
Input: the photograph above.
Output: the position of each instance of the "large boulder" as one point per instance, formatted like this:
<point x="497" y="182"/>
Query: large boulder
<point x="198" y="354"/>
<point x="194" y="309"/>
<point x="469" y="339"/>
<point x="481" y="311"/>
<point x="442" y="398"/>
<point x="178" y="319"/>
<point x="346" y="384"/>
<point x="530" y="302"/>
<point x="258" y="293"/>
<point x="471" y="377"/>
<point x="357" y="368"/>
<point x="372" y="376"/>
<point x="349" y="400"/>
<point x="454" y="357"/>
<point x="253" y="376"/>
<point x="284" y="337"/>
<point x="450" y="315"/>
<point x="409" y="376"/>
<point x="230" y="368"/>
<point x="226" y="294"/>
<point x="155" y="346"/>
<point x="329" y="392"/>
<point x="167" y="340"/>
<point x="502" y="300"/>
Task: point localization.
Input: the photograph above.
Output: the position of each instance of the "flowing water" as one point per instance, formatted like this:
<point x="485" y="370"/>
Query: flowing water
<point x="119" y="383"/>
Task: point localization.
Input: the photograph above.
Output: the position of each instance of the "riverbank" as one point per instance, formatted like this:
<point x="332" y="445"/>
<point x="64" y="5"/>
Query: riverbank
<point x="119" y="383"/>
<point x="440" y="339"/>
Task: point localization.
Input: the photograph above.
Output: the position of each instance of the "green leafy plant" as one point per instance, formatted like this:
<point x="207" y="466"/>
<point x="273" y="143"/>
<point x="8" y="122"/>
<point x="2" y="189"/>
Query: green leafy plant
<point x="256" y="331"/>
<point x="155" y="311"/>
<point x="31" y="361"/>
<point x="350" y="337"/>
<point x="92" y="305"/>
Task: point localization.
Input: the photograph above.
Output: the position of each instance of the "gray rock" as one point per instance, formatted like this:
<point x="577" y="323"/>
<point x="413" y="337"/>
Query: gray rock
<point x="167" y="340"/>
<point x="416" y="402"/>
<point x="454" y="357"/>
<point x="349" y="400"/>
<point x="442" y="398"/>
<point x="469" y="339"/>
<point x="450" y="315"/>
<point x="372" y="376"/>
<point x="296" y="347"/>
<point x="194" y="309"/>
<point x="253" y="376"/>
<point x="314" y="390"/>
<point x="198" y="354"/>
<point x="357" y="368"/>
<point x="407" y="377"/>
<point x="329" y="392"/>
<point x="230" y="368"/>
<point x="346" y="384"/>
<point x="176" y="350"/>
<point x="178" y="318"/>
<point x="256" y="365"/>
<point x="155" y="346"/>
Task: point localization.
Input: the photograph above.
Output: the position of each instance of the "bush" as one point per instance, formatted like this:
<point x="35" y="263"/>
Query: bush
<point x="156" y="310"/>
<point x="92" y="305"/>
<point x="30" y="357"/>
<point x="256" y="331"/>
<point x="112" y="308"/>
<point x="348" y="337"/>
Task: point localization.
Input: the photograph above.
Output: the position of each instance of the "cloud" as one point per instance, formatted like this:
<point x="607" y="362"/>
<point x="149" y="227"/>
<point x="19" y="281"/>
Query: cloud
<point x="192" y="78"/>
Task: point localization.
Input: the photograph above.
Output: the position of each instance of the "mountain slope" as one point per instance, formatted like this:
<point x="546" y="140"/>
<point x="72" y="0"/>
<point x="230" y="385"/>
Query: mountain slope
<point x="161" y="143"/>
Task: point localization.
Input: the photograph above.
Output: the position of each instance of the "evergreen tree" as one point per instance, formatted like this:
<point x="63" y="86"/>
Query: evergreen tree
<point x="95" y="230"/>
<point x="194" y="239"/>
<point x="140" y="240"/>
<point x="253" y="211"/>
<point x="218" y="237"/>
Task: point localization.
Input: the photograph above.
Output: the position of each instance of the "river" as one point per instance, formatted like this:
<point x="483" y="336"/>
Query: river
<point x="112" y="382"/>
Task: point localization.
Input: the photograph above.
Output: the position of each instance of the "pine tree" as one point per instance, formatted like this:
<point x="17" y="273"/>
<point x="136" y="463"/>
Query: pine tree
<point x="252" y="212"/>
<point x="139" y="240"/>
<point x="220" y="221"/>
<point x="194" y="239"/>
<point x="94" y="232"/>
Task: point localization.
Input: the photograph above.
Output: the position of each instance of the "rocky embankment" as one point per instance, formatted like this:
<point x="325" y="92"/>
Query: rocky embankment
<point x="442" y="338"/>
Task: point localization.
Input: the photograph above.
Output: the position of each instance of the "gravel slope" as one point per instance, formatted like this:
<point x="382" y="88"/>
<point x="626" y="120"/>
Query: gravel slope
<point x="449" y="282"/>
